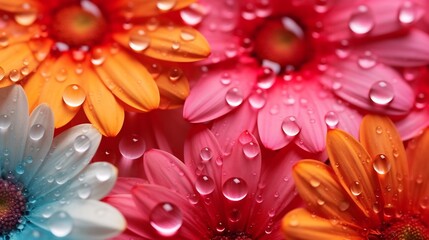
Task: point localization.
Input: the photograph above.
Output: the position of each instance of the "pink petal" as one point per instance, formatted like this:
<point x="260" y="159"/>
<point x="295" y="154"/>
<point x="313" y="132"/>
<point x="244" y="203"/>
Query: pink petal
<point x="356" y="86"/>
<point x="228" y="128"/>
<point x="124" y="185"/>
<point x="413" y="124"/>
<point x="209" y="97"/>
<point x="409" y="50"/>
<point x="164" y="169"/>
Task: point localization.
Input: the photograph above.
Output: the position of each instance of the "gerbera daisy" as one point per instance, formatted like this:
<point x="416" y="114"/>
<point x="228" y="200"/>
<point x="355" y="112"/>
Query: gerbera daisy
<point x="297" y="68"/>
<point x="212" y="195"/>
<point x="47" y="188"/>
<point x="102" y="55"/>
<point x="374" y="189"/>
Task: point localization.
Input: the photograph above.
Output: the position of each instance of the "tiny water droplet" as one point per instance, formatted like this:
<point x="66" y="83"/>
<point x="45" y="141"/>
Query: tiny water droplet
<point x="381" y="164"/>
<point x="233" y="97"/>
<point x="290" y="127"/>
<point x="343" y="206"/>
<point x="187" y="34"/>
<point x="206" y="154"/>
<point x="175" y="74"/>
<point x="98" y="56"/>
<point x="81" y="143"/>
<point x="361" y="21"/>
<point x="381" y="93"/>
<point x="73" y="95"/>
<point x="367" y="60"/>
<point x="251" y="150"/>
<point x="84" y="191"/>
<point x="235" y="189"/>
<point x="5" y="121"/>
<point x="266" y="78"/>
<point x="36" y="132"/>
<point x="379" y="130"/>
<point x="204" y="185"/>
<point x="14" y="75"/>
<point x="356" y="188"/>
<point x="421" y="101"/>
<point x="314" y="183"/>
<point x="331" y="119"/>
<point x="166" y="218"/>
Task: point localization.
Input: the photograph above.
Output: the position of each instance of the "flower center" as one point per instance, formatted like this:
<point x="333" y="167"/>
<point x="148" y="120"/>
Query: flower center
<point x="78" y="25"/>
<point x="12" y="206"/>
<point x="232" y="236"/>
<point x="282" y="41"/>
<point x="406" y="229"/>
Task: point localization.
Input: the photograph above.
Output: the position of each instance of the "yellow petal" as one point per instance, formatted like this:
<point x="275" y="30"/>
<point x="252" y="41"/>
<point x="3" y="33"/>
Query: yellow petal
<point x="100" y="106"/>
<point x="147" y="8"/>
<point x="174" y="44"/>
<point x="173" y="87"/>
<point x="319" y="187"/>
<point x="379" y="136"/>
<point x="129" y="80"/>
<point x="56" y="83"/>
<point x="299" y="224"/>
<point x="352" y="164"/>
<point x="418" y="152"/>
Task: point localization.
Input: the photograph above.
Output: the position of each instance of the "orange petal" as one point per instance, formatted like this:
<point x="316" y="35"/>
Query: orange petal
<point x="379" y="136"/>
<point x="100" y="106"/>
<point x="56" y="84"/>
<point x="319" y="187"/>
<point x="352" y="164"/>
<point x="11" y="32"/>
<point x="147" y="8"/>
<point x="22" y="6"/>
<point x="173" y="87"/>
<point x="299" y="224"/>
<point x="174" y="44"/>
<point x="418" y="152"/>
<point x="129" y="80"/>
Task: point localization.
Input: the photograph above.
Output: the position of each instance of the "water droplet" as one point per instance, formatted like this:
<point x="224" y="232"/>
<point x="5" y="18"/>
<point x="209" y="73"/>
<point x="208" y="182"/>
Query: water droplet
<point x="381" y="93"/>
<point x="26" y="18"/>
<point x="205" y="185"/>
<point x="235" y="189"/>
<point x="331" y="119"/>
<point x="421" y="101"/>
<point x="61" y="75"/>
<point x="73" y="95"/>
<point x="98" y="56"/>
<point x="193" y="14"/>
<point x="4" y="40"/>
<point x="343" y="206"/>
<point x="245" y="137"/>
<point x="132" y="146"/>
<point x="166" y="219"/>
<point x="104" y="172"/>
<point x="36" y="132"/>
<point x="81" y="143"/>
<point x="361" y="21"/>
<point x="175" y="74"/>
<point x="314" y="183"/>
<point x="407" y="13"/>
<point x="187" y="34"/>
<point x="60" y="224"/>
<point x="5" y="121"/>
<point x="367" y="60"/>
<point x="84" y="191"/>
<point x="290" y="127"/>
<point x="266" y="78"/>
<point x="381" y="164"/>
<point x="225" y="79"/>
<point x="19" y="169"/>
<point x="14" y="75"/>
<point x="165" y="5"/>
<point x="258" y="99"/>
<point x="320" y="202"/>
<point x="251" y="150"/>
<point x="175" y="46"/>
<point x="356" y="188"/>
<point x="321" y="6"/>
<point x="139" y="41"/>
<point x="379" y="130"/>
<point x="234" y="97"/>
<point x="206" y="154"/>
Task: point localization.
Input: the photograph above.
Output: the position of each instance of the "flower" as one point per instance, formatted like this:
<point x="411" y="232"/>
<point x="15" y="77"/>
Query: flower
<point x="212" y="195"/>
<point x="298" y="68"/>
<point x="47" y="188"/>
<point x="106" y="56"/>
<point x="374" y="189"/>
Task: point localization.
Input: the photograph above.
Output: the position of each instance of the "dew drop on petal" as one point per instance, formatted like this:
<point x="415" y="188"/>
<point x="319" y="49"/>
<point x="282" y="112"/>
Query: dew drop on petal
<point x="165" y="5"/>
<point x="379" y="130"/>
<point x="166" y="218"/>
<point x="314" y="183"/>
<point x="132" y="146"/>
<point x="26" y="18"/>
<point x="233" y="97"/>
<point x="257" y="99"/>
<point x="5" y="121"/>
<point x="36" y="132"/>
<point x="331" y="119"/>
<point x="98" y="56"/>
<point x="361" y="21"/>
<point x="14" y="75"/>
<point x="73" y="95"/>
<point x="206" y="154"/>
<point x="175" y="74"/>
<point x="187" y="35"/>
<point x="193" y="14"/>
<point x="266" y="78"/>
<point x="81" y="143"/>
<point x="343" y="206"/>
<point x="367" y="60"/>
<point x="139" y="41"/>
<point x="225" y="79"/>
<point x="60" y="224"/>
<point x="250" y="150"/>
<point x="205" y="185"/>
<point x="356" y="188"/>
<point x="381" y="93"/>
<point x="84" y="191"/>
<point x="235" y="189"/>
<point x="104" y="172"/>
<point x="381" y="164"/>
<point x="421" y="101"/>
<point x="290" y="127"/>
<point x="407" y="13"/>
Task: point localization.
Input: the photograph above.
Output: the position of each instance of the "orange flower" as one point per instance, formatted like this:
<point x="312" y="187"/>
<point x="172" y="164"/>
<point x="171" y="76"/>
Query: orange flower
<point x="90" y="52"/>
<point x="374" y="189"/>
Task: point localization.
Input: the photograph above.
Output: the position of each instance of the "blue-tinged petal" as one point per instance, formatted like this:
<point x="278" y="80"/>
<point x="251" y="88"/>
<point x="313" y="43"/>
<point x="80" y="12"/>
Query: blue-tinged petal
<point x="70" y="152"/>
<point x="31" y="231"/>
<point x="39" y="139"/>
<point x="13" y="126"/>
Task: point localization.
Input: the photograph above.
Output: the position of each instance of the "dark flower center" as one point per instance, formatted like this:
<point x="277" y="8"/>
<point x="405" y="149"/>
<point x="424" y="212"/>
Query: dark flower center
<point x="282" y="41"/>
<point x="12" y="206"/>
<point x="407" y="228"/>
<point x="232" y="236"/>
<point x="78" y="24"/>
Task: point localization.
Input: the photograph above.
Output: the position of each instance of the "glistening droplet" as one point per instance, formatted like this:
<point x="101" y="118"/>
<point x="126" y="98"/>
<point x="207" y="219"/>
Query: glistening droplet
<point x="73" y="95"/>
<point x="381" y="164"/>
<point x="235" y="189"/>
<point x="290" y="127"/>
<point x="166" y="218"/>
<point x="381" y="93"/>
<point x="204" y="185"/>
<point x="361" y="21"/>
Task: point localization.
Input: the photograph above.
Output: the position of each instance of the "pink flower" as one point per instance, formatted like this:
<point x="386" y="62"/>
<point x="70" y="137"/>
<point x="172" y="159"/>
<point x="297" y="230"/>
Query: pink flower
<point x="293" y="69"/>
<point x="212" y="195"/>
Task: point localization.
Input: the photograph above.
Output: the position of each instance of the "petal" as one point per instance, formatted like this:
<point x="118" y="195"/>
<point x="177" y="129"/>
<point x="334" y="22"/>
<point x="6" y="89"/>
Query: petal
<point x="19" y="5"/>
<point x="378" y="135"/>
<point x="41" y="133"/>
<point x="318" y="185"/>
<point x="50" y="85"/>
<point x="355" y="172"/>
<point x="301" y="224"/>
<point x="129" y="80"/>
<point x="413" y="124"/>
<point x="208" y="98"/>
<point x="164" y="169"/>
<point x="100" y="106"/>
<point x="147" y="8"/>
<point x="403" y="51"/>
<point x="13" y="126"/>
<point x="392" y="97"/>
<point x="71" y="151"/>
<point x="124" y="185"/>
<point x="178" y="44"/>
<point x="173" y="87"/>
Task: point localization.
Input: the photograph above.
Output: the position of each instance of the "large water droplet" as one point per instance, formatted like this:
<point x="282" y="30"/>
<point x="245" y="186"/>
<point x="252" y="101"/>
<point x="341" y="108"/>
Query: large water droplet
<point x="165" y="5"/>
<point x="84" y="191"/>
<point x="331" y="119"/>
<point x="258" y="99"/>
<point x="381" y="164"/>
<point x="206" y="154"/>
<point x="132" y="146"/>
<point x="356" y="188"/>
<point x="166" y="219"/>
<point x="233" y="97"/>
<point x="193" y="14"/>
<point x="104" y="172"/>
<point x="381" y="93"/>
<point x="250" y="150"/>
<point x="26" y="18"/>
<point x="205" y="185"/>
<point x="5" y="121"/>
<point x="81" y="143"/>
<point x="36" y="132"/>
<point x="60" y="224"/>
<point x="235" y="189"/>
<point x="407" y="12"/>
<point x="73" y="95"/>
<point x="139" y="41"/>
<point x="266" y="78"/>
<point x="290" y="127"/>
<point x="361" y="21"/>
